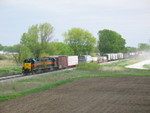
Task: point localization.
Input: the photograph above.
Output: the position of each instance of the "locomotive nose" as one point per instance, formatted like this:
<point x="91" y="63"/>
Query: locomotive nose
<point x="27" y="66"/>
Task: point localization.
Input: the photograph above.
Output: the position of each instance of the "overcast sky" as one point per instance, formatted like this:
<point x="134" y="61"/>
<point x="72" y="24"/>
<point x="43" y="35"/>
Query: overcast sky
<point x="130" y="18"/>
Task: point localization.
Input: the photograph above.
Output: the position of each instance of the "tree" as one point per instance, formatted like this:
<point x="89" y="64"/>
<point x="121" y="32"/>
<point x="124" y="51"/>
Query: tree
<point x="22" y="53"/>
<point x="131" y="49"/>
<point x="59" y="48"/>
<point x="1" y="47"/>
<point x="81" y="41"/>
<point x="110" y="42"/>
<point x="144" y="47"/>
<point x="37" y="38"/>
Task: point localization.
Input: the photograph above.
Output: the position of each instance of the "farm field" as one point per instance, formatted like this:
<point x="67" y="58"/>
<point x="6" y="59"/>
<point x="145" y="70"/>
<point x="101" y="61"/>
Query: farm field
<point x="91" y="95"/>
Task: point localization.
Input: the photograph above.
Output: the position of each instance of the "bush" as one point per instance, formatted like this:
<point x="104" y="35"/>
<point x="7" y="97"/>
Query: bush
<point x="88" y="66"/>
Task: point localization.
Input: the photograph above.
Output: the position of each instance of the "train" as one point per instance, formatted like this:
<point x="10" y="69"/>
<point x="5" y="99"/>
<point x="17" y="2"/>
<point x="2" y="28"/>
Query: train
<point x="45" y="64"/>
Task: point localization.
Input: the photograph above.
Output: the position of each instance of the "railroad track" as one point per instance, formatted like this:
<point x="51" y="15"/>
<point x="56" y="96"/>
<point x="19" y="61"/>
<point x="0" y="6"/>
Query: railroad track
<point x="10" y="77"/>
<point x="21" y="76"/>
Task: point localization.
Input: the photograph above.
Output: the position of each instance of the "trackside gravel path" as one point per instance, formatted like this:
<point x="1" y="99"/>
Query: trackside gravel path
<point x="92" y="95"/>
<point x="139" y="65"/>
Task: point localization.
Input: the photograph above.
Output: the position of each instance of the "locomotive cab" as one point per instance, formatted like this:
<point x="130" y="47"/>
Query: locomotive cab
<point x="27" y="66"/>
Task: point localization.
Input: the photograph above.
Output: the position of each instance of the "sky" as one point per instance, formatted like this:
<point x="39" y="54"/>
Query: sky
<point x="129" y="18"/>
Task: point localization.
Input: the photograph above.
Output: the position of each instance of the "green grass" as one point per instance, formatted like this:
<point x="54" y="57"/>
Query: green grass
<point x="88" y="66"/>
<point x="8" y="67"/>
<point x="147" y="66"/>
<point x="10" y="71"/>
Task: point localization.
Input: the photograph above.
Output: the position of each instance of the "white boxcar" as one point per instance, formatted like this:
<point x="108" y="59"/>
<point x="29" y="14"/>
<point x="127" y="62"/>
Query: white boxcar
<point x="102" y="59"/>
<point x="113" y="56"/>
<point x="94" y="59"/>
<point x="85" y="59"/>
<point x="109" y="57"/>
<point x="120" y="56"/>
<point x="72" y="61"/>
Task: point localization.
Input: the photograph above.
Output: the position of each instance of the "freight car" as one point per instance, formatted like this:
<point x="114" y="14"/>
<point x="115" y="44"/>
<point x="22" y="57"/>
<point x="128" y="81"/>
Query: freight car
<point x="85" y="59"/>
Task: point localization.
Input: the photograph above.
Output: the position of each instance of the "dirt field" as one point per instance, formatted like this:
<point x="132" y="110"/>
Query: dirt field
<point x="93" y="95"/>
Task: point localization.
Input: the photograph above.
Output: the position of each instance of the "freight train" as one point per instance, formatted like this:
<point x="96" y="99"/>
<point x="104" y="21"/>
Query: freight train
<point x="44" y="64"/>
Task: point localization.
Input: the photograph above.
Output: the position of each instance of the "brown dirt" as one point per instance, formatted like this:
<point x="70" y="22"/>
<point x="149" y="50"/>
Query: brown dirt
<point x="93" y="95"/>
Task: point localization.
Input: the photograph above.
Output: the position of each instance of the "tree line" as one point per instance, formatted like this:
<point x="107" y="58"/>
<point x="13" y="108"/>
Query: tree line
<point x="37" y="42"/>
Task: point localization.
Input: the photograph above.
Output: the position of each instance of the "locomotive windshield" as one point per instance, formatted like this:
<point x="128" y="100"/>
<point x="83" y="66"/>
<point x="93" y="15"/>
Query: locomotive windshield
<point x="29" y="61"/>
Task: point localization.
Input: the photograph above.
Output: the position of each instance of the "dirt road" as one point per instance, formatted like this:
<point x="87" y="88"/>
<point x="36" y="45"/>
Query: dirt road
<point x="93" y="95"/>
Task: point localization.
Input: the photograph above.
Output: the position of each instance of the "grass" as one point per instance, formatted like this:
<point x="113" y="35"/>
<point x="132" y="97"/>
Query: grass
<point x="14" y="89"/>
<point x="88" y="66"/>
<point x="147" y="66"/>
<point x="10" y="71"/>
<point x="8" y="67"/>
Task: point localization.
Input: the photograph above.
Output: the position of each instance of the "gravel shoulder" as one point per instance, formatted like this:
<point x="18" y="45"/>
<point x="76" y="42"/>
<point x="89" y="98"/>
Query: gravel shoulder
<point x="139" y="65"/>
<point x="92" y="95"/>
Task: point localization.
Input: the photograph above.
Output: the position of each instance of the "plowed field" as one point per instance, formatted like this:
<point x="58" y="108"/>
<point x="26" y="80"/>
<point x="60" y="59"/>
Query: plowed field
<point x="92" y="95"/>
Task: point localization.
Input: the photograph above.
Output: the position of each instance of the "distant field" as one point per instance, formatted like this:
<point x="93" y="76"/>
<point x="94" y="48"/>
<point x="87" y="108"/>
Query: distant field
<point x="16" y="88"/>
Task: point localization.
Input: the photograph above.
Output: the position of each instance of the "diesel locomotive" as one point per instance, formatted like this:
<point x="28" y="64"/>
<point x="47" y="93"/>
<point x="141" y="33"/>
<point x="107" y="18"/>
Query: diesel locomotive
<point x="36" y="65"/>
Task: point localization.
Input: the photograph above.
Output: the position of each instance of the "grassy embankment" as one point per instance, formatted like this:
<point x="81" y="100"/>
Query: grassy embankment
<point x="147" y="66"/>
<point x="13" y="89"/>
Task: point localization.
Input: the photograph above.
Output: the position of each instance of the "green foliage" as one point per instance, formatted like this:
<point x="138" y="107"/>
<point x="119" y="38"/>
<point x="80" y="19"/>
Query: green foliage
<point x="59" y="48"/>
<point x="22" y="52"/>
<point x="1" y="47"/>
<point x="88" y="66"/>
<point x="81" y="41"/>
<point x="131" y="49"/>
<point x="110" y="42"/>
<point x="44" y="55"/>
<point x="25" y="53"/>
<point x="9" y="48"/>
<point x="37" y="38"/>
<point x="144" y="47"/>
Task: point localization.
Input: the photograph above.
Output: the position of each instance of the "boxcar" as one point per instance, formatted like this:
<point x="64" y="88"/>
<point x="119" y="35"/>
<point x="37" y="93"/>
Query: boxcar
<point x="72" y="61"/>
<point x="94" y="59"/>
<point x="85" y="59"/>
<point x="61" y="61"/>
